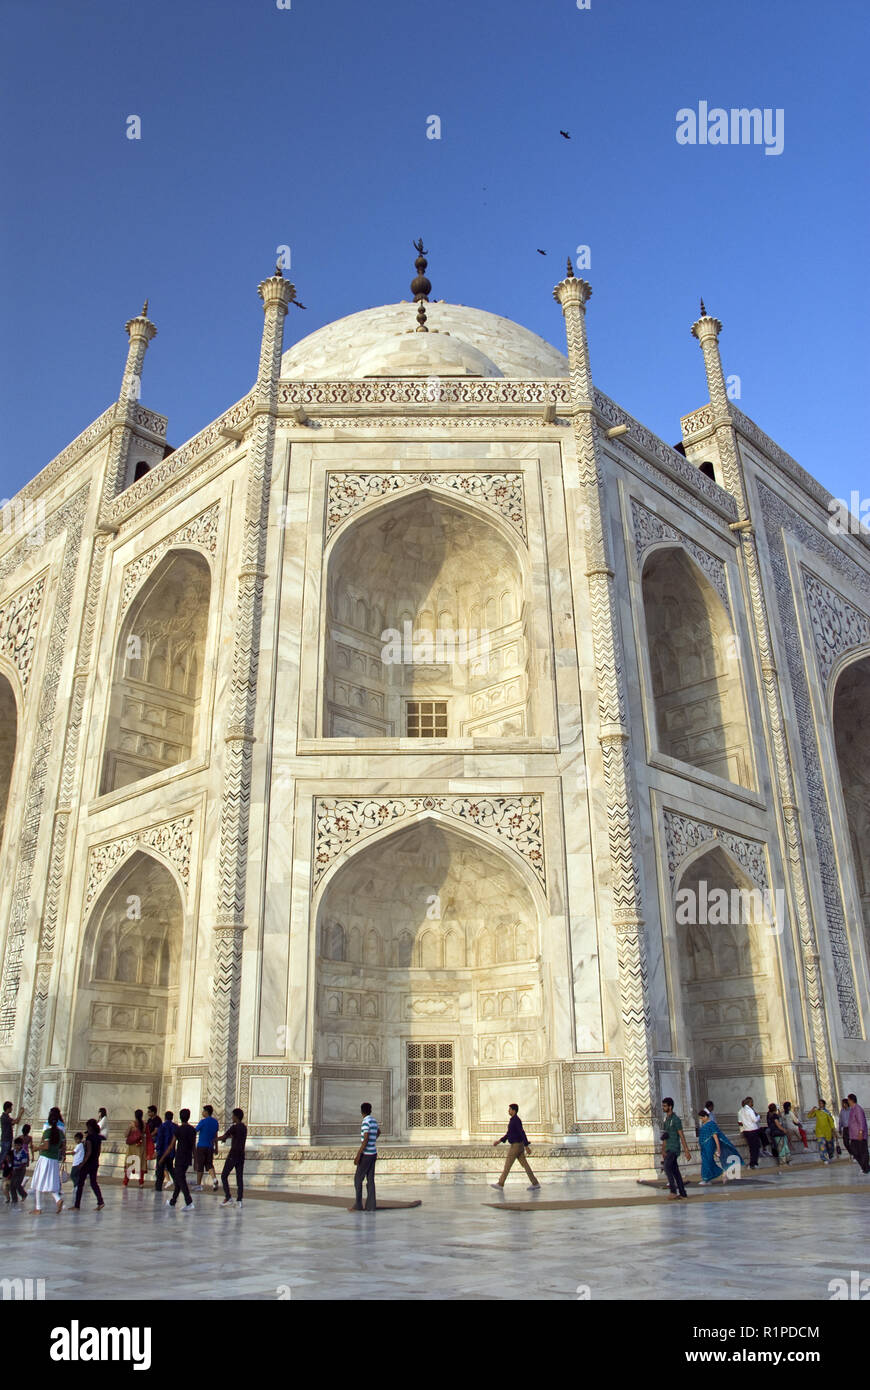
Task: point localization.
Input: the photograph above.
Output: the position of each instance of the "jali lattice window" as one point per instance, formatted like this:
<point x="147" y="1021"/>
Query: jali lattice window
<point x="430" y="1085"/>
<point x="427" y="718"/>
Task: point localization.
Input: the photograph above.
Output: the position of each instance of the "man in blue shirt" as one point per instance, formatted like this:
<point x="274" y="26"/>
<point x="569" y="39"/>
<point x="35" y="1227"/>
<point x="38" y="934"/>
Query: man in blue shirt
<point x="203" y="1158"/>
<point x="163" y="1141"/>
<point x="366" y="1158"/>
<point x="518" y="1147"/>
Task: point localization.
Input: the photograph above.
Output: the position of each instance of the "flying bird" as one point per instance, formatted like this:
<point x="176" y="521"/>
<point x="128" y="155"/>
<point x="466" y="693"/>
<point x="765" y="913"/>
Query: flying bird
<point x="564" y="134"/>
<point x="540" y="252"/>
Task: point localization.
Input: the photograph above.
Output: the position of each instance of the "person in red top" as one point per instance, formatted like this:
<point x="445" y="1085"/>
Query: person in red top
<point x="858" y="1133"/>
<point x="518" y="1147"/>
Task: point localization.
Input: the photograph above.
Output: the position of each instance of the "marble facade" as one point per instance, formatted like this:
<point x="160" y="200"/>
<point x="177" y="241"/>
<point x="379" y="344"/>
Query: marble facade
<point x="250" y="859"/>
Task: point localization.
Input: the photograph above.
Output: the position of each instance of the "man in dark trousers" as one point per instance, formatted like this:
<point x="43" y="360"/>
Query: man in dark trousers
<point x="181" y="1152"/>
<point x="518" y="1147"/>
<point x="237" y="1135"/>
<point x="673" y="1143"/>
<point x="7" y="1128"/>
<point x="365" y="1159"/>
<point x="163" y="1149"/>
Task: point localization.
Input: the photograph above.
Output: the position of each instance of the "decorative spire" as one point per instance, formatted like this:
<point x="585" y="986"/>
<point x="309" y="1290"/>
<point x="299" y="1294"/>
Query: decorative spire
<point x="144" y="313"/>
<point x="421" y="288"/>
<point x="703" y="310"/>
<point x="278" y="271"/>
<point x="569" y="274"/>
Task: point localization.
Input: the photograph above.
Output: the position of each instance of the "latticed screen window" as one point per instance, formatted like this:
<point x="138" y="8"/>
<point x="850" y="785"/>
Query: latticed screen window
<point x="430" y="1085"/>
<point x="427" y="719"/>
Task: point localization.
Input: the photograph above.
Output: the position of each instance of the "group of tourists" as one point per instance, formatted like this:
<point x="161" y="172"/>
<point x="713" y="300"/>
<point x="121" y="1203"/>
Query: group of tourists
<point x="773" y="1133"/>
<point x="175" y="1148"/>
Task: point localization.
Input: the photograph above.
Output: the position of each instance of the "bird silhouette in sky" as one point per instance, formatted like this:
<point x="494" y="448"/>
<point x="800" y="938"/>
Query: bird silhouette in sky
<point x="564" y="134"/>
<point x="540" y="252"/>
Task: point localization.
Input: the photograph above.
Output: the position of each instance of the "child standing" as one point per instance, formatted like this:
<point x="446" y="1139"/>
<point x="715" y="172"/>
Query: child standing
<point x="78" y="1157"/>
<point x="19" y="1168"/>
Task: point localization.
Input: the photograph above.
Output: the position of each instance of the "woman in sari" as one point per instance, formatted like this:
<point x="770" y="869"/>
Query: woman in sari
<point x="134" y="1161"/>
<point x="715" y="1147"/>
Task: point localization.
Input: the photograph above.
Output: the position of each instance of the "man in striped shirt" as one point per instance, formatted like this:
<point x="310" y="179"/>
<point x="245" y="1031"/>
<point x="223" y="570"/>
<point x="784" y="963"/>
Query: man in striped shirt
<point x="366" y="1158"/>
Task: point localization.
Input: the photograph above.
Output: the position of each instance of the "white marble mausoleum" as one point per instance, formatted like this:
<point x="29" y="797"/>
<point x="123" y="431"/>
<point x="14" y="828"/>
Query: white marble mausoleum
<point x="427" y="731"/>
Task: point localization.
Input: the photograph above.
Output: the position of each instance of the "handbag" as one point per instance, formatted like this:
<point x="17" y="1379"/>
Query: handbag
<point x="65" y="1176"/>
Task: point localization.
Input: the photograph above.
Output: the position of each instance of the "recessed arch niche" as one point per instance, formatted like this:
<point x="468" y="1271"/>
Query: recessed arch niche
<point x="425" y="938"/>
<point x="8" y="743"/>
<point x="126" y="1015"/>
<point x="156" y="699"/>
<point x="700" y="711"/>
<point x="433" y="574"/>
<point x="851" y="725"/>
<point x="728" y="974"/>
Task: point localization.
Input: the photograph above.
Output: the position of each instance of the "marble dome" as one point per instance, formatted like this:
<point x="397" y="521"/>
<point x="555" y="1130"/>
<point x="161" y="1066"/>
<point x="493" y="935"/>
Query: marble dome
<point x="461" y="342"/>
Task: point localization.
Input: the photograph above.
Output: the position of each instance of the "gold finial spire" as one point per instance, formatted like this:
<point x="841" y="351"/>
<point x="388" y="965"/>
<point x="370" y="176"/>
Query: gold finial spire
<point x="421" y="288"/>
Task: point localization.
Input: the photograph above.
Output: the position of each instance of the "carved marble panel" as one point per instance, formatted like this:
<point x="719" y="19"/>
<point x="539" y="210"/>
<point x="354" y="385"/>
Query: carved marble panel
<point x="499" y="492"/>
<point x="171" y="841"/>
<point x="837" y="624"/>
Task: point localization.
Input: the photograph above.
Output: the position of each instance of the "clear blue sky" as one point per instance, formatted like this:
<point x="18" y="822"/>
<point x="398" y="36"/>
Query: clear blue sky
<point x="307" y="127"/>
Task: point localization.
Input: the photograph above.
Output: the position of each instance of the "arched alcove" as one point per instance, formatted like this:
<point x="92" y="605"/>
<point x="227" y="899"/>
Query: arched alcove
<point x="127" y="1001"/>
<point x="450" y="588"/>
<point x="8" y="742"/>
<point x="154" y="707"/>
<point x="732" y="1007"/>
<point x="699" y="706"/>
<point x="428" y="964"/>
<point x="851" y="722"/>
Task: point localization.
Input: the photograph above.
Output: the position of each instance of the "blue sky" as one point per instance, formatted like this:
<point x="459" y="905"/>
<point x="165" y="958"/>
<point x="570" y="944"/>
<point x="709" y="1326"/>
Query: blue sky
<point x="307" y="127"/>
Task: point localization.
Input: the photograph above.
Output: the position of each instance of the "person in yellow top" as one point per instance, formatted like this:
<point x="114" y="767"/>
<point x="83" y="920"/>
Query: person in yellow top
<point x="825" y="1130"/>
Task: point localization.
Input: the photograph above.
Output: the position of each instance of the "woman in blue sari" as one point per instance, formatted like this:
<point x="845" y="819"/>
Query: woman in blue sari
<point x="716" y="1148"/>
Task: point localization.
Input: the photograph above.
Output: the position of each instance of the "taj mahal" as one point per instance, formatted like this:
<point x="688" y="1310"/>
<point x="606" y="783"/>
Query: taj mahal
<point x="369" y="744"/>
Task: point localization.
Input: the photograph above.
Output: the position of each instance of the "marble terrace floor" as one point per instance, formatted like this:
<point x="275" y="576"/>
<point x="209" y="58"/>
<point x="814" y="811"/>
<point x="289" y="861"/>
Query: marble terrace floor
<point x="456" y="1246"/>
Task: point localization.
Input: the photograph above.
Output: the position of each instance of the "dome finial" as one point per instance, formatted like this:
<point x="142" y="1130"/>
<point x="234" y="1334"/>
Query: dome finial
<point x="421" y="288"/>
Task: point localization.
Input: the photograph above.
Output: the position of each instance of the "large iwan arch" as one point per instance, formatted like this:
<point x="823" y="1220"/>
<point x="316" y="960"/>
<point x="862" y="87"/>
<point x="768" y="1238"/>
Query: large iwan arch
<point x="155" y="704"/>
<point x="699" y="707"/>
<point x="434" y="574"/>
<point x="428" y="966"/>
<point x="851" y="725"/>
<point x="126" y="1011"/>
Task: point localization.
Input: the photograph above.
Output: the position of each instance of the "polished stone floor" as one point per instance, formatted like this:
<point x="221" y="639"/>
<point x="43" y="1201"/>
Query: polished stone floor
<point x="456" y="1245"/>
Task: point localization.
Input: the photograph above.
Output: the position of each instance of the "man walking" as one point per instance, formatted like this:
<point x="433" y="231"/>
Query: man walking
<point x="518" y="1147"/>
<point x="673" y="1141"/>
<point x="843" y="1122"/>
<point x="366" y="1158"/>
<point x="163" y="1149"/>
<point x="858" y="1134"/>
<point x="206" y="1136"/>
<point x="181" y="1153"/>
<point x="238" y="1136"/>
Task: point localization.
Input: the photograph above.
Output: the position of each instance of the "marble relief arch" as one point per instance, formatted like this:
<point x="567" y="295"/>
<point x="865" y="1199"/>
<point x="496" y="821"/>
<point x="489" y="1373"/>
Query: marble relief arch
<point x="447" y="580"/>
<point x="700" y="713"/>
<point x="850" y="719"/>
<point x="428" y="964"/>
<point x="126" y="1006"/>
<point x="731" y="1021"/>
<point x="154" y="709"/>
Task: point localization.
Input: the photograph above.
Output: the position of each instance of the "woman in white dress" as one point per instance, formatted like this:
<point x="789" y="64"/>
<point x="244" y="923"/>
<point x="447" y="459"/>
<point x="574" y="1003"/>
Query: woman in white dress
<point x="46" y="1174"/>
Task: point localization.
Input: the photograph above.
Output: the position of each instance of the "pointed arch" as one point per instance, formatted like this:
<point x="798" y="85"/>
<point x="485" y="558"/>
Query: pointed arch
<point x="156" y="696"/>
<point x="727" y="968"/>
<point x="700" y="711"/>
<point x="850" y="725"/>
<point x="8" y="742"/>
<point x="127" y="985"/>
<point x="398" y="558"/>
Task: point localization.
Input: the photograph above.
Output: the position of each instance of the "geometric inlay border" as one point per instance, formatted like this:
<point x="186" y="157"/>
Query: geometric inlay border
<point x="340" y="822"/>
<point x="500" y="492"/>
<point x="575" y="1126"/>
<point x="683" y="834"/>
<point x="837" y="624"/>
<point x="171" y="840"/>
<point x="201" y="531"/>
<point x="649" y="528"/>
